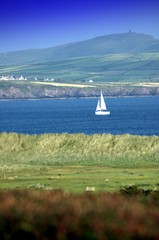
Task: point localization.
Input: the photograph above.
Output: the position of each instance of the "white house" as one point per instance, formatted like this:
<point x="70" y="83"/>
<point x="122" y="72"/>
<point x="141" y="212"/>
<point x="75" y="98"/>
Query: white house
<point x="21" y="78"/>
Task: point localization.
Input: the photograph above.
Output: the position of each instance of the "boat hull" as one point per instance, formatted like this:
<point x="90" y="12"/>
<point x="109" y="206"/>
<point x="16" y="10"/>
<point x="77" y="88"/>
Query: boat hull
<point x="102" y="112"/>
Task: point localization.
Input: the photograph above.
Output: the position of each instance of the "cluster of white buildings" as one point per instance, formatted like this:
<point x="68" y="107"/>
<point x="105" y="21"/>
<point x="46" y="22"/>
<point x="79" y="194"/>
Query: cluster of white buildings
<point x="21" y="78"/>
<point x="12" y="78"/>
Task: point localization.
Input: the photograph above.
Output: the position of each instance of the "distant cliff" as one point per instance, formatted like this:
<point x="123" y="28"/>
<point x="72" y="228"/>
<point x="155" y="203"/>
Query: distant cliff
<point x="31" y="91"/>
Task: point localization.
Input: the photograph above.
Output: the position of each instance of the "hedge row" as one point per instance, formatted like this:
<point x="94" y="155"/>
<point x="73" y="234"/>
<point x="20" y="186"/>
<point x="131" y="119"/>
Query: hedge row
<point x="31" y="214"/>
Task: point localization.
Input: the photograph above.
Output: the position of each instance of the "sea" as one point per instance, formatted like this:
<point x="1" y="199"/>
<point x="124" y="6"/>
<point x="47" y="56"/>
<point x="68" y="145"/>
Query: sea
<point x="129" y="115"/>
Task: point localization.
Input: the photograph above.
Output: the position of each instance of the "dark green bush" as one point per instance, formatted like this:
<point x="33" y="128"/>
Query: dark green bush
<point x="134" y="190"/>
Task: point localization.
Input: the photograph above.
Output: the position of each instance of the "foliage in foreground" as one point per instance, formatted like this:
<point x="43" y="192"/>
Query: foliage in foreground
<point x="61" y="216"/>
<point x="79" y="149"/>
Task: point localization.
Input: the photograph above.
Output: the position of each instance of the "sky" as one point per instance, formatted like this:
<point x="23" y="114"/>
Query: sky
<point x="32" y="24"/>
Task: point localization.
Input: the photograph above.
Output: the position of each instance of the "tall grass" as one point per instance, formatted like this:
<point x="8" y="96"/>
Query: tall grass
<point x="79" y="149"/>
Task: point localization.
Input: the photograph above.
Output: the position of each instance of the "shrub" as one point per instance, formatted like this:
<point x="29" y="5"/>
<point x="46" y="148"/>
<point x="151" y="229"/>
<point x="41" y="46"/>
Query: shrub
<point x="57" y="215"/>
<point x="133" y="190"/>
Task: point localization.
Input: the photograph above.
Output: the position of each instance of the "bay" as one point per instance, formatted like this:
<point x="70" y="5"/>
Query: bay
<point x="137" y="115"/>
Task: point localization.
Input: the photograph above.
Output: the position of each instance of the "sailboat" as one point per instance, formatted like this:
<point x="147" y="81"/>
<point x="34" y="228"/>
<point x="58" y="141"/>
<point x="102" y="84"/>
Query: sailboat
<point x="101" y="108"/>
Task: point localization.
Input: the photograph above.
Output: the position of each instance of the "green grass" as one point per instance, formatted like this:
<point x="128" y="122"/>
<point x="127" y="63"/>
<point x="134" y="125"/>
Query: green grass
<point x="77" y="178"/>
<point x="106" y="68"/>
<point x="73" y="162"/>
<point x="79" y="149"/>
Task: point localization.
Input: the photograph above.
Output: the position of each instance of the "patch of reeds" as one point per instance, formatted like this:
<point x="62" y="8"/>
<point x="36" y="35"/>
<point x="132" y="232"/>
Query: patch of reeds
<point x="79" y="149"/>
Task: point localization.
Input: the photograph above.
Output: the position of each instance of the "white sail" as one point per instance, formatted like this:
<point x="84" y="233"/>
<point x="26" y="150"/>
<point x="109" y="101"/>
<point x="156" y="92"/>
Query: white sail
<point x="98" y="108"/>
<point x="101" y="108"/>
<point x="102" y="102"/>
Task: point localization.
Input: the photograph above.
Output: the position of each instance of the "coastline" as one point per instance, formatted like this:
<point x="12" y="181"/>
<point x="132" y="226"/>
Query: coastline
<point x="27" y="91"/>
<point x="69" y="98"/>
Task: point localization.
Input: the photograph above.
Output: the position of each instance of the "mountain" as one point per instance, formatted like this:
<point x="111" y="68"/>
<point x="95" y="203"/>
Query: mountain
<point x="110" y="44"/>
<point x="126" y="57"/>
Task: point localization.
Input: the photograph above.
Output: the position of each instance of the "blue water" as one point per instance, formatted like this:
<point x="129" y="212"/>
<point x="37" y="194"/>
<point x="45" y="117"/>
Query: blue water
<point x="128" y="115"/>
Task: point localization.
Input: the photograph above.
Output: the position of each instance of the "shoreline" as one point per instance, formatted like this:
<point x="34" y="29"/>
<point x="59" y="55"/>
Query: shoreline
<point x="69" y="98"/>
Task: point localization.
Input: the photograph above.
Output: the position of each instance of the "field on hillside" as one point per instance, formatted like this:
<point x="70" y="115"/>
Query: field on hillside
<point x="101" y="85"/>
<point x="56" y="84"/>
<point x="75" y="162"/>
<point x="137" y="67"/>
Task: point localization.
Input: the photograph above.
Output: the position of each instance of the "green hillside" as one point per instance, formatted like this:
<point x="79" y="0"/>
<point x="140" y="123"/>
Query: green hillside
<point x="112" y="58"/>
<point x="99" y="46"/>
<point x="139" y="67"/>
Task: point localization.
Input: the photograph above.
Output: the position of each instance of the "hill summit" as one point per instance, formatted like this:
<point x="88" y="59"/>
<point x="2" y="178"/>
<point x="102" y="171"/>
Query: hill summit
<point x="125" y="57"/>
<point x="129" y="42"/>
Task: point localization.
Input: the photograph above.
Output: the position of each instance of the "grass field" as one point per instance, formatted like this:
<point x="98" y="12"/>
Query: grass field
<point x="63" y="84"/>
<point x="46" y="184"/>
<point x="78" y="178"/>
<point x="100" y="85"/>
<point x="75" y="162"/>
<point x="137" y="67"/>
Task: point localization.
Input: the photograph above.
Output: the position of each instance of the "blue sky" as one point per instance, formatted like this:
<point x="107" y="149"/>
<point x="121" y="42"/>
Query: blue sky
<point x="28" y="24"/>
